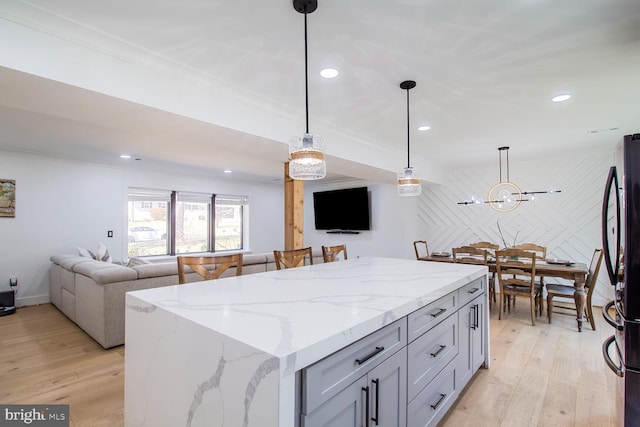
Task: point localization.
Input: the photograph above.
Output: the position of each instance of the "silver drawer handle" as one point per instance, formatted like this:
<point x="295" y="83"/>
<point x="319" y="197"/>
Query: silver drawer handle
<point x="370" y="355"/>
<point x="474" y="290"/>
<point x="435" y="405"/>
<point x="442" y="347"/>
<point x="442" y="310"/>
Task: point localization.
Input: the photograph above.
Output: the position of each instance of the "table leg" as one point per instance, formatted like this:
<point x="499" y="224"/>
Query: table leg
<point x="580" y="297"/>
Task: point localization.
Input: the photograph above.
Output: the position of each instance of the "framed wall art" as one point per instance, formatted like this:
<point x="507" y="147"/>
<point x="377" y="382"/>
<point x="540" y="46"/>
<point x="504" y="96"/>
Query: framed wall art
<point x="7" y="198"/>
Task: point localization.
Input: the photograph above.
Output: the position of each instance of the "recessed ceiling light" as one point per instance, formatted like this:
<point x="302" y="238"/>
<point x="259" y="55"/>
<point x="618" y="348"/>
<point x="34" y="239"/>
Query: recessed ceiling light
<point x="227" y="171"/>
<point x="423" y="128"/>
<point x="125" y="156"/>
<point x="561" y="98"/>
<point x="329" y="73"/>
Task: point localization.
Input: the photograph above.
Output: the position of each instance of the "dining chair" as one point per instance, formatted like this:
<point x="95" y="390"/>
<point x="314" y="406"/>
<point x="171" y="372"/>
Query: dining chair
<point x="516" y="271"/>
<point x="469" y="255"/>
<point x="541" y="255"/>
<point x="330" y="253"/>
<point x="198" y="264"/>
<point x="540" y="251"/>
<point x="421" y="248"/>
<point x="293" y="258"/>
<point x="491" y="249"/>
<point x="565" y="292"/>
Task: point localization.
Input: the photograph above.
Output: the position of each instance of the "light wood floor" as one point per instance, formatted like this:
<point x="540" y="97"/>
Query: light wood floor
<point x="543" y="375"/>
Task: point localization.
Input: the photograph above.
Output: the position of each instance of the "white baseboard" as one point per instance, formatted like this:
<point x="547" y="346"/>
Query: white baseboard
<point x="36" y="300"/>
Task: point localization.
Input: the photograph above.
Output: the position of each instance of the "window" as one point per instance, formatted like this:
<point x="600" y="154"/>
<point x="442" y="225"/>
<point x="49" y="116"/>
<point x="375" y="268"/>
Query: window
<point x="148" y="222"/>
<point x="193" y="223"/>
<point x="230" y="211"/>
<point x="164" y="222"/>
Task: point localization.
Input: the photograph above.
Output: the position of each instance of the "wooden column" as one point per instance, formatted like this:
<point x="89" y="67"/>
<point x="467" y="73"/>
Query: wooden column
<point x="293" y="211"/>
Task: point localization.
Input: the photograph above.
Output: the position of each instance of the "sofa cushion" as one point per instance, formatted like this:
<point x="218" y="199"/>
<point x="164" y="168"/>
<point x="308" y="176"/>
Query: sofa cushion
<point x="250" y="259"/>
<point x="103" y="272"/>
<point x="137" y="261"/>
<point x="73" y="260"/>
<point x="156" y="269"/>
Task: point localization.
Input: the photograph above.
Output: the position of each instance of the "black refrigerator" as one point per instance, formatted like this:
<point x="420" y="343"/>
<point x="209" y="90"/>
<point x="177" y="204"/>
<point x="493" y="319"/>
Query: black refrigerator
<point x="621" y="239"/>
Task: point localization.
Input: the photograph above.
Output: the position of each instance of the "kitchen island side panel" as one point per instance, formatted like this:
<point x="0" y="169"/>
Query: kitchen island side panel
<point x="179" y="373"/>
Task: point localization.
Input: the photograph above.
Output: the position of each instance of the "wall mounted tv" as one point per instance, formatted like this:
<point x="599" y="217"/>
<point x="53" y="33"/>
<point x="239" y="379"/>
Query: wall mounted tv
<point x="343" y="210"/>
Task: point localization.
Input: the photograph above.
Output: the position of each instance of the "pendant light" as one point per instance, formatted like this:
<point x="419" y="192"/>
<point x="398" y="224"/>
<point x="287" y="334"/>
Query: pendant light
<point x="505" y="196"/>
<point x="306" y="152"/>
<point x="408" y="179"/>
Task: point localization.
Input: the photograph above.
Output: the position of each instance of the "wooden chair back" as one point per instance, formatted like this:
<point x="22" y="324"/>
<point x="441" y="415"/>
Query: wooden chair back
<point x="330" y="253"/>
<point x="469" y="255"/>
<point x="293" y="258"/>
<point x="516" y="268"/>
<point x="421" y="248"/>
<point x="491" y="248"/>
<point x="516" y="271"/>
<point x="594" y="270"/>
<point x="540" y="251"/>
<point x="198" y="264"/>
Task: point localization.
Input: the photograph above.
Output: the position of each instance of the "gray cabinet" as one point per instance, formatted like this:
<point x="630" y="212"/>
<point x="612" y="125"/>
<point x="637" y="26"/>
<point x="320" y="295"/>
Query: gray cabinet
<point x="363" y="384"/>
<point x="388" y="396"/>
<point x="378" y="398"/>
<point x="472" y="335"/>
<point x="408" y="373"/>
<point x="345" y="409"/>
<point x="322" y="380"/>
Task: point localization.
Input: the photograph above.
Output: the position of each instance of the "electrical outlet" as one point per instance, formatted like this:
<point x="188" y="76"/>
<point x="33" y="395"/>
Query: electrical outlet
<point x="13" y="281"/>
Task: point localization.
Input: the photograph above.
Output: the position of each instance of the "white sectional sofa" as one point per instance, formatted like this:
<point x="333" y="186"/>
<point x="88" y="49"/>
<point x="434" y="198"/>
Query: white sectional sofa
<point x="92" y="293"/>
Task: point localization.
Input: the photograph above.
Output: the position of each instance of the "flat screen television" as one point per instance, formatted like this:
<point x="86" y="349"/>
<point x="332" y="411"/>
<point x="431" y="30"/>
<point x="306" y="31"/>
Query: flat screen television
<point x="342" y="210"/>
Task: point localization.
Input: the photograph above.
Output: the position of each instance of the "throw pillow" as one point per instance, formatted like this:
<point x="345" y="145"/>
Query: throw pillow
<point x="137" y="261"/>
<point x="86" y="253"/>
<point x="101" y="255"/>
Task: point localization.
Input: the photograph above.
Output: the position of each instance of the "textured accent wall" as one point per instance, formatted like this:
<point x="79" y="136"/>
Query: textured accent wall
<point x="567" y="223"/>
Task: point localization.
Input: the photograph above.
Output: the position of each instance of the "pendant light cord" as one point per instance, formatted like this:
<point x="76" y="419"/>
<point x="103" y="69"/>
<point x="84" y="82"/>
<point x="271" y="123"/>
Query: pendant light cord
<point x="408" y="130"/>
<point x="306" y="72"/>
<point x="500" y="150"/>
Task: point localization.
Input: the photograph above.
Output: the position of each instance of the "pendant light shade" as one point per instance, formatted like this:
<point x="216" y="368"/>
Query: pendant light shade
<point x="408" y="178"/>
<point x="306" y="152"/>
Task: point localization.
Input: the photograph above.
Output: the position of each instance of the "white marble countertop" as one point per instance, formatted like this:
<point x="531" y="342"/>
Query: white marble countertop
<point x="304" y="314"/>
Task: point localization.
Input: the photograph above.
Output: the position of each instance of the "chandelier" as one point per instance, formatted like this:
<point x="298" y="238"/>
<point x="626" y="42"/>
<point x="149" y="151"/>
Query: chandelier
<point x="505" y="196"/>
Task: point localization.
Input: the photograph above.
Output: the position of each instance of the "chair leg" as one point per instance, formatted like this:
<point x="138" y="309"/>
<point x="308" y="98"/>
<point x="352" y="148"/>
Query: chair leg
<point x="541" y="299"/>
<point x="500" y="304"/>
<point x="533" y="311"/>
<point x="549" y="306"/>
<point x="590" y="314"/>
<point x="492" y="292"/>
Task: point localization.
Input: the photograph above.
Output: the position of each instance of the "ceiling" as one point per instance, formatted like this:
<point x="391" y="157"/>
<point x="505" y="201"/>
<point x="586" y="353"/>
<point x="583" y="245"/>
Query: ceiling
<point x="207" y="85"/>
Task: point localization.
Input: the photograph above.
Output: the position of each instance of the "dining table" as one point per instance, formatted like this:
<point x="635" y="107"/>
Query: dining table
<point x="574" y="271"/>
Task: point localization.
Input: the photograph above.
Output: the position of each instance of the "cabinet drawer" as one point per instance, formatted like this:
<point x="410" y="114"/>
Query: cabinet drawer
<point x="472" y="290"/>
<point x="329" y="376"/>
<point x="434" y="401"/>
<point x="420" y="321"/>
<point x="430" y="353"/>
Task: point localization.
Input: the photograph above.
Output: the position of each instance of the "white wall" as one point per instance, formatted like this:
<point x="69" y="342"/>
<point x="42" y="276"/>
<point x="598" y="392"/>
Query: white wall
<point x="393" y="223"/>
<point x="568" y="223"/>
<point x="63" y="204"/>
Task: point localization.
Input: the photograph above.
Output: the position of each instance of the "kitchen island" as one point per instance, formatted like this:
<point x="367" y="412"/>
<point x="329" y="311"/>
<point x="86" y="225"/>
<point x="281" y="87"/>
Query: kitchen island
<point x="275" y="349"/>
